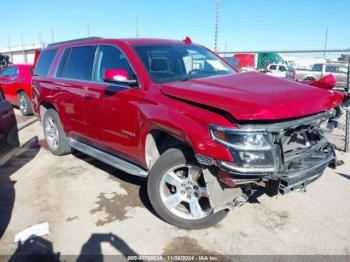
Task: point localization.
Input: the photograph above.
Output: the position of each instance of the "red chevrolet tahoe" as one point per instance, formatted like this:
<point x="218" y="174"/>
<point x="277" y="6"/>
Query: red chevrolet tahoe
<point x="177" y="114"/>
<point x="15" y="81"/>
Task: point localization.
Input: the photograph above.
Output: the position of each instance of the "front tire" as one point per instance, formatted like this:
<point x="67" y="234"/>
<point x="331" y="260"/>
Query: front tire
<point x="55" y="136"/>
<point x="177" y="191"/>
<point x="309" y="78"/>
<point x="25" y="105"/>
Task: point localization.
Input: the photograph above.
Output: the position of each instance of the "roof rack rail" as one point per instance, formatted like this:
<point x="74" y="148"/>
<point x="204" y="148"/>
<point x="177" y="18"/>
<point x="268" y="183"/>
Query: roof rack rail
<point x="75" y="40"/>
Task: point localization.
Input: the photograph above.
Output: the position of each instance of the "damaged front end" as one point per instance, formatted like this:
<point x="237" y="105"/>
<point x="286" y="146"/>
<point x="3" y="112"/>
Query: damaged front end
<point x="279" y="157"/>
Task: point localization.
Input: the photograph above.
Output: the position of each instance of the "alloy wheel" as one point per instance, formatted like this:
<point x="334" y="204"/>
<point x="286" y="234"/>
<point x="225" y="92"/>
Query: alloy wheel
<point x="51" y="131"/>
<point x="184" y="192"/>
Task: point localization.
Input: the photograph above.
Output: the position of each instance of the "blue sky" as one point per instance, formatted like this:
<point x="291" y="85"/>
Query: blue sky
<point x="244" y="25"/>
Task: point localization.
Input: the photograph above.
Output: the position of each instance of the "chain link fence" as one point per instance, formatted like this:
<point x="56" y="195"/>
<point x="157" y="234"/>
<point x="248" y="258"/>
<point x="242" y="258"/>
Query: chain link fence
<point x="307" y="65"/>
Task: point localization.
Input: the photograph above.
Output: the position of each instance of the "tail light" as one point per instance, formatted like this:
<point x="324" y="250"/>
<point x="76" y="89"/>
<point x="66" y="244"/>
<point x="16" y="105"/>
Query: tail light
<point x="36" y="57"/>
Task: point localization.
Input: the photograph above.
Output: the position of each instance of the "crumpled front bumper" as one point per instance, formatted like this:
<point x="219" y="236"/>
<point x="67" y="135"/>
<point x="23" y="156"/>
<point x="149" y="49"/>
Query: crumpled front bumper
<point x="301" y="155"/>
<point x="302" y="178"/>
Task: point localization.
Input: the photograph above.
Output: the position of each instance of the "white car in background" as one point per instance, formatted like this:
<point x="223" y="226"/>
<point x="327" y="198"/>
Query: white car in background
<point x="280" y="70"/>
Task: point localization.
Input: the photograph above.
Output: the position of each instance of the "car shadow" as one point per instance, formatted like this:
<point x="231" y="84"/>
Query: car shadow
<point x="40" y="249"/>
<point x="120" y="175"/>
<point x="343" y="175"/>
<point x="20" y="158"/>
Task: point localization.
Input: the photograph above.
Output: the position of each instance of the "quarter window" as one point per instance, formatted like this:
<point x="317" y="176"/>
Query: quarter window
<point x="110" y="57"/>
<point x="79" y="64"/>
<point x="44" y="63"/>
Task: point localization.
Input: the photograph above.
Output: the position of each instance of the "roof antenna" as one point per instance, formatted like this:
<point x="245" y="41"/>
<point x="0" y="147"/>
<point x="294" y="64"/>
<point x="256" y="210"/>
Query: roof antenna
<point x="187" y="40"/>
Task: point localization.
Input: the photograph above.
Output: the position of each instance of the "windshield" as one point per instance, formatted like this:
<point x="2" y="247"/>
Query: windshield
<point x="176" y="62"/>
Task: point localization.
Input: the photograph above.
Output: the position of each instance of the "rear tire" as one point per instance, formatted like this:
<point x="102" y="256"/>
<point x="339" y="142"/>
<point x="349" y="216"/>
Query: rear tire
<point x="25" y="106"/>
<point x="171" y="162"/>
<point x="55" y="136"/>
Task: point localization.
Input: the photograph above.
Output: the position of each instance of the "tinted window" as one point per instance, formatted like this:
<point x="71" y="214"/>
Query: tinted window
<point x="317" y="67"/>
<point x="273" y="67"/>
<point x="9" y="72"/>
<point x="331" y="69"/>
<point x="63" y="62"/>
<point x="110" y="57"/>
<point x="79" y="63"/>
<point x="45" y="60"/>
<point x="282" y="68"/>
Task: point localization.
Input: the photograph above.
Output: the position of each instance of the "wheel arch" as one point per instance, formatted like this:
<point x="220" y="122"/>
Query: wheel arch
<point x="157" y="141"/>
<point x="44" y="106"/>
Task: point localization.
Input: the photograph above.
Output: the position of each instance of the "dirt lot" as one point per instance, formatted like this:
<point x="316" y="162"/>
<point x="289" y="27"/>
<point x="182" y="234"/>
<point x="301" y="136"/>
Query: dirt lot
<point x="92" y="208"/>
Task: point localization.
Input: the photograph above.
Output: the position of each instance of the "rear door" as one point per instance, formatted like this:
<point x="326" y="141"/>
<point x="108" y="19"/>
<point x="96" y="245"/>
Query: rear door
<point x="73" y="77"/>
<point x="8" y="128"/>
<point x="339" y="72"/>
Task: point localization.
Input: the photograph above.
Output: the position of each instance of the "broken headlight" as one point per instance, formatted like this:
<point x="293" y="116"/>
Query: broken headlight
<point x="252" y="151"/>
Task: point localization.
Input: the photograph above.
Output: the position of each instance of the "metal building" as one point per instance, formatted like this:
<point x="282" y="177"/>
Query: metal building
<point x="21" y="54"/>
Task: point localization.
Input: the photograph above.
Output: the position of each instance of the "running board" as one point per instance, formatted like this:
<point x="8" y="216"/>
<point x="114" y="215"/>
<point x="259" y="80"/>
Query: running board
<point x="108" y="158"/>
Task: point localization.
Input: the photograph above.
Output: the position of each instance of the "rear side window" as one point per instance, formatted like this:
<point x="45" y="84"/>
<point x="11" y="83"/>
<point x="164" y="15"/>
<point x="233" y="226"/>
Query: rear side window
<point x="282" y="68"/>
<point x="9" y="72"/>
<point x="77" y="63"/>
<point x="44" y="63"/>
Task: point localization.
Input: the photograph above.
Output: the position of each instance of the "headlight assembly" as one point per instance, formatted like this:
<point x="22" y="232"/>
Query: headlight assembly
<point x="252" y="150"/>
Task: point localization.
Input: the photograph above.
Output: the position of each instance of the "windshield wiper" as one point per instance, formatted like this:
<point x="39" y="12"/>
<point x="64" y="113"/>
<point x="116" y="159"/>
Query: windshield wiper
<point x="185" y="79"/>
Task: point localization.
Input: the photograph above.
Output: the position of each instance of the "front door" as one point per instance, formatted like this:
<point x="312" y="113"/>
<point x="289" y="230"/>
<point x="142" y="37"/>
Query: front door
<point x="111" y="109"/>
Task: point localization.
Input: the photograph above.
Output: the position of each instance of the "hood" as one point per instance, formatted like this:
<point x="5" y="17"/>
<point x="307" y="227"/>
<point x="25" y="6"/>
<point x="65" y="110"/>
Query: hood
<point x="254" y="96"/>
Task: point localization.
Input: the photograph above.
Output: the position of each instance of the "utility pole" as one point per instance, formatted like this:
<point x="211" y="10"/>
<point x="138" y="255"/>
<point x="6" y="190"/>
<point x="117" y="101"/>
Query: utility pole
<point x="23" y="52"/>
<point x="9" y="45"/>
<point x="325" y="43"/>
<point x="137" y="27"/>
<point x="52" y="36"/>
<point x="217" y="25"/>
<point x="88" y="30"/>
<point x="40" y="40"/>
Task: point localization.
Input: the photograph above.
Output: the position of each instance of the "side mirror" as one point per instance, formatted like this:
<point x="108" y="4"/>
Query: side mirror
<point x="118" y="76"/>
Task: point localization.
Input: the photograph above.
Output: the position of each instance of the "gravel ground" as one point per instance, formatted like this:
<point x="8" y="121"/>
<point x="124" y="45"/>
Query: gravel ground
<point x="92" y="208"/>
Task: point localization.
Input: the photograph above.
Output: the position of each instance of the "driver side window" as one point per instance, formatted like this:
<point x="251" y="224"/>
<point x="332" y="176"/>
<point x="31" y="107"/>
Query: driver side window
<point x="110" y="57"/>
